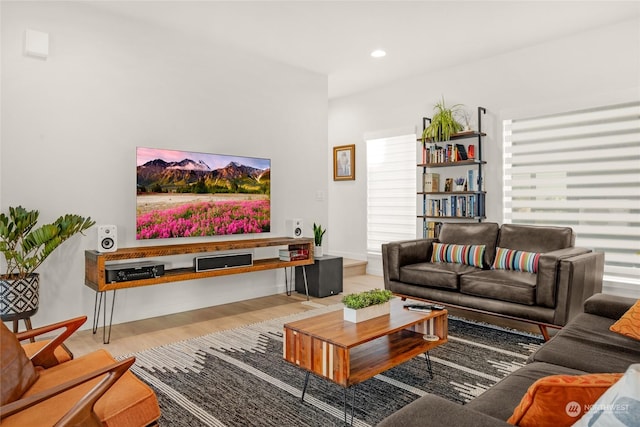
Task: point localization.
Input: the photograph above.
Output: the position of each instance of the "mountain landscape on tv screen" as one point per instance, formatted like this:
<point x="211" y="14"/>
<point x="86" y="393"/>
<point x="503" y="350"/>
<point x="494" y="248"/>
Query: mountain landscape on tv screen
<point x="189" y="176"/>
<point x="188" y="198"/>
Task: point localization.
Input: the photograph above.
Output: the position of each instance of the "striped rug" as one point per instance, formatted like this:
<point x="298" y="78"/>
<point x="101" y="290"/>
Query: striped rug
<point x="238" y="377"/>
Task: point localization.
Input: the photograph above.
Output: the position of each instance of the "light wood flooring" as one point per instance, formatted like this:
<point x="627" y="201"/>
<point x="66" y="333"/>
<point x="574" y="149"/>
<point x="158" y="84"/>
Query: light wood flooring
<point x="136" y="336"/>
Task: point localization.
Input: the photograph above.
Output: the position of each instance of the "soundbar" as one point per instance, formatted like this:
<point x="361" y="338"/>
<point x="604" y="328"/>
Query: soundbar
<point x="214" y="262"/>
<point x="133" y="271"/>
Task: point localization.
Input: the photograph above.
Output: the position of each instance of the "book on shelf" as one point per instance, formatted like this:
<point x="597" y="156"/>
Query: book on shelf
<point x="431" y="182"/>
<point x="433" y="229"/>
<point x="472" y="180"/>
<point x="462" y="152"/>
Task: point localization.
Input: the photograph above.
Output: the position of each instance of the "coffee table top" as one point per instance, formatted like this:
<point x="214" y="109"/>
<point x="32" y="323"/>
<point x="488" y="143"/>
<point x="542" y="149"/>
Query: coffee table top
<point x="332" y="328"/>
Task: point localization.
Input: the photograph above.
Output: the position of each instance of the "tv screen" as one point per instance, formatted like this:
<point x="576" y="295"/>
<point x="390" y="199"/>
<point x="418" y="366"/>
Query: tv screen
<point x="189" y="194"/>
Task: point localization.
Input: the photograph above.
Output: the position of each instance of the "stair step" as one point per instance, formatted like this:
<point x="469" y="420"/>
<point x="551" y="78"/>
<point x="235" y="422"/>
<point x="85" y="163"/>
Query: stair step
<point x="353" y="267"/>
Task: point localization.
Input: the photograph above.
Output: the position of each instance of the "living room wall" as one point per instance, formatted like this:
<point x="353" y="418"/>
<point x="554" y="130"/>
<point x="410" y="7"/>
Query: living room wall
<point x="71" y="124"/>
<point x="594" y="65"/>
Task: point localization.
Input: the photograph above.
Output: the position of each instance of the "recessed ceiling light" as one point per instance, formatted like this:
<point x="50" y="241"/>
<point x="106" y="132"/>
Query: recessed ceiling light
<point x="378" y="53"/>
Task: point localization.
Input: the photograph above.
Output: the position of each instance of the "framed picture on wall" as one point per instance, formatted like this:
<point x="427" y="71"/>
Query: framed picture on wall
<point x="344" y="162"/>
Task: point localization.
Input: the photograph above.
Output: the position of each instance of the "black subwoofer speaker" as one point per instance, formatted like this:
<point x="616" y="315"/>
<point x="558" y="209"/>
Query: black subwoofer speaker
<point x="214" y="262"/>
<point x="324" y="277"/>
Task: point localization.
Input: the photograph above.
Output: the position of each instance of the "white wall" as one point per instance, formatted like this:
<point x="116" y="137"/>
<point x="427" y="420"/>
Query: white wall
<point x="70" y="125"/>
<point x="600" y="61"/>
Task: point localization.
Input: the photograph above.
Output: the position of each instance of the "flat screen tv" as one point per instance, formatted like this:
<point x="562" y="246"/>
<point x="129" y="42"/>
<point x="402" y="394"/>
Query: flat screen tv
<point x="189" y="194"/>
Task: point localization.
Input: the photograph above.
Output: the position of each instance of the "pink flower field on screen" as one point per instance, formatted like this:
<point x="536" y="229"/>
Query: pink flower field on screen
<point x="205" y="219"/>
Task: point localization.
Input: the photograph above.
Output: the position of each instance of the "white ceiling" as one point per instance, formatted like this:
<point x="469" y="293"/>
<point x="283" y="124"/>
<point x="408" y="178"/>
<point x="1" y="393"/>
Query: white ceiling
<point x="335" y="38"/>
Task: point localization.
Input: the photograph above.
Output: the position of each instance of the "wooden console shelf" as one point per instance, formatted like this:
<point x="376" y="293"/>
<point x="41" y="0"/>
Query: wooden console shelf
<point x="95" y="262"/>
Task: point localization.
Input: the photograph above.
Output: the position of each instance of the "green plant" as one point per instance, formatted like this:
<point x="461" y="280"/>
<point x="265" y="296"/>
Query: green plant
<point x="443" y="123"/>
<point x="318" y="234"/>
<point x="367" y="298"/>
<point x="26" y="247"/>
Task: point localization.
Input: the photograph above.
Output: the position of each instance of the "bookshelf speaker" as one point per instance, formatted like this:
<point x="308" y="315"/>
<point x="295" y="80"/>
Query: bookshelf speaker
<point x="107" y="238"/>
<point x="294" y="227"/>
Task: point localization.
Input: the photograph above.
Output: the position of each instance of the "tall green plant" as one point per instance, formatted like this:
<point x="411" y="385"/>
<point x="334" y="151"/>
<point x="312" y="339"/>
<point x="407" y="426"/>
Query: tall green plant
<point x="318" y="234"/>
<point x="25" y="247"/>
<point x="443" y="123"/>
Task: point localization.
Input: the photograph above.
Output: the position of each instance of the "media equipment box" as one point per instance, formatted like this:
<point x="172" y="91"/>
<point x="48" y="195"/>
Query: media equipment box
<point x="133" y="271"/>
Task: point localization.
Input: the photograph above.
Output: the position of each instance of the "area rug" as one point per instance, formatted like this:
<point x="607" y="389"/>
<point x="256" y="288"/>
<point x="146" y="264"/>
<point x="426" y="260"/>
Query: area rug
<point x="238" y="377"/>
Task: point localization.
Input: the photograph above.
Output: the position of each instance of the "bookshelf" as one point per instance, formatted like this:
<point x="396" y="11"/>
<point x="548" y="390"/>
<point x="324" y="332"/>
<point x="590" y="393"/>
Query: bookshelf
<point x="452" y="184"/>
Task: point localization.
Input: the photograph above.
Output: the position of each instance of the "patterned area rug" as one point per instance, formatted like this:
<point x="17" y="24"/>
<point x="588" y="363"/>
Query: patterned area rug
<point x="239" y="378"/>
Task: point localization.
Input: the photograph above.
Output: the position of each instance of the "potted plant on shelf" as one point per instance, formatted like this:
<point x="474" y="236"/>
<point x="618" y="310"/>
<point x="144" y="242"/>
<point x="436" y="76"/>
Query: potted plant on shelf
<point x="443" y="123"/>
<point x="25" y="247"/>
<point x="318" y="234"/>
<point x="367" y="305"/>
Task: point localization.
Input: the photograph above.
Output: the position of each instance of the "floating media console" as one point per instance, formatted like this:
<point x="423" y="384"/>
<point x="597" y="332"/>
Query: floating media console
<point x="97" y="264"/>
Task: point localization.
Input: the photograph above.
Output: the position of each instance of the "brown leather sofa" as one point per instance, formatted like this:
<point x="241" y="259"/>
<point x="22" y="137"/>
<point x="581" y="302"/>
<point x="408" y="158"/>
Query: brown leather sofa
<point x="566" y="276"/>
<point x="585" y="345"/>
<point x="92" y="390"/>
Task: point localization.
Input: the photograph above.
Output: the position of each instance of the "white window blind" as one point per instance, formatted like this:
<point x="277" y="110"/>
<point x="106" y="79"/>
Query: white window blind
<point x="580" y="169"/>
<point x="391" y="190"/>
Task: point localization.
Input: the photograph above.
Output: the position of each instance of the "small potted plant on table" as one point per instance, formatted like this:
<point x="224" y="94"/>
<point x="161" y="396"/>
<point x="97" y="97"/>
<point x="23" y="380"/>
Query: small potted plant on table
<point x="318" y="234"/>
<point x="367" y="305"/>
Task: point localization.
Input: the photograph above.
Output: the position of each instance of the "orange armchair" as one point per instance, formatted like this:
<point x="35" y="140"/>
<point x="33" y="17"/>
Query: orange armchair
<point x="92" y="390"/>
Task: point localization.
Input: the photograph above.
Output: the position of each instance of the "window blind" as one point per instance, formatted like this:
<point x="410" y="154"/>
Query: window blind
<point x="579" y="169"/>
<point x="391" y="190"/>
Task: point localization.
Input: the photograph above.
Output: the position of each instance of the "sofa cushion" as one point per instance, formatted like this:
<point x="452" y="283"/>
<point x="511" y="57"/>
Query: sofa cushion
<point x="513" y="259"/>
<point x="435" y="274"/>
<point x="535" y="238"/>
<point x="462" y="254"/>
<point x="629" y="323"/>
<point x="619" y="405"/>
<point x="485" y="233"/>
<point x="18" y="373"/>
<point x="502" y="285"/>
<point x="586" y="343"/>
<point x="501" y="400"/>
<point x="559" y="399"/>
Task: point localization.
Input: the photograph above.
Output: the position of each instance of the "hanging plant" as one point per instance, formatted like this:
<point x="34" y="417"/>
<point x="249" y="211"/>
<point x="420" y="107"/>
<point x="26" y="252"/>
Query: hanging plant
<point x="443" y="123"/>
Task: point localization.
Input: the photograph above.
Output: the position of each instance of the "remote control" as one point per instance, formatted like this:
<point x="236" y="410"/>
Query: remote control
<point x="428" y="306"/>
<point x="437" y="307"/>
<point x="421" y="310"/>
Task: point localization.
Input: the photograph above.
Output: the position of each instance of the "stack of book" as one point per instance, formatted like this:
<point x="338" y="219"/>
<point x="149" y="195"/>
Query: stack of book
<point x="294" y="254"/>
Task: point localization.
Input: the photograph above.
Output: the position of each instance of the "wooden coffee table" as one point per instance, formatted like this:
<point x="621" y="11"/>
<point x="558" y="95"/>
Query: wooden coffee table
<point x="350" y="353"/>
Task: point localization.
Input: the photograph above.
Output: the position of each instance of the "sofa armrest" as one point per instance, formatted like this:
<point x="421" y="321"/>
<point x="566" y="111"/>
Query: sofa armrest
<point x="45" y="357"/>
<point x="611" y="306"/>
<point x="398" y="254"/>
<point x="431" y="410"/>
<point x="579" y="277"/>
<point x="548" y="270"/>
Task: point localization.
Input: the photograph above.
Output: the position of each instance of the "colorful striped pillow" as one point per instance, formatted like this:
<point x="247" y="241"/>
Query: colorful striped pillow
<point x="459" y="254"/>
<point x="511" y="259"/>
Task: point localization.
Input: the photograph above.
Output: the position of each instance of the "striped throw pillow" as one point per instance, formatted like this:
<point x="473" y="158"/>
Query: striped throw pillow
<point x="460" y="254"/>
<point x="511" y="259"/>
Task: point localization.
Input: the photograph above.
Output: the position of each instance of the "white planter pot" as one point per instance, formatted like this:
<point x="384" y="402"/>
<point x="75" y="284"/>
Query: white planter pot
<point x="356" y="316"/>
<point x="317" y="251"/>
